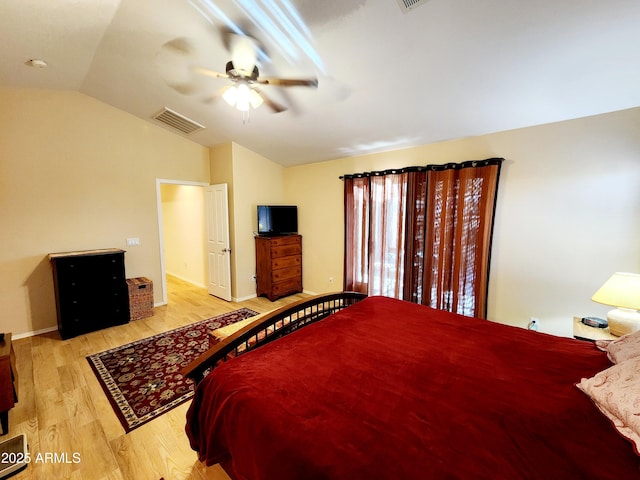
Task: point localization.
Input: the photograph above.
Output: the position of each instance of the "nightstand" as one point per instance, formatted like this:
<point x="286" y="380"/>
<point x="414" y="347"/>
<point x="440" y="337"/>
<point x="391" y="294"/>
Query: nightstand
<point x="8" y="381"/>
<point x="585" y="332"/>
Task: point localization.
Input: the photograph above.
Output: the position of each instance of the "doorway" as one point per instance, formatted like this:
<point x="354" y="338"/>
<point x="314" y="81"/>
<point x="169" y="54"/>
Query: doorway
<point x="181" y="234"/>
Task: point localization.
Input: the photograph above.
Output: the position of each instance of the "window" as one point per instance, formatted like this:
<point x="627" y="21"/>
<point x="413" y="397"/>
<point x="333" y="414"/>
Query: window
<point x="422" y="234"/>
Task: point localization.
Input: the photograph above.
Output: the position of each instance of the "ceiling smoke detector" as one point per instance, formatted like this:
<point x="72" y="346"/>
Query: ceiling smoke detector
<point x="407" y="5"/>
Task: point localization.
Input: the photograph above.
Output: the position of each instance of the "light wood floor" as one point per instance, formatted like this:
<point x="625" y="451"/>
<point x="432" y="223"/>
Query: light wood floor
<point x="63" y="410"/>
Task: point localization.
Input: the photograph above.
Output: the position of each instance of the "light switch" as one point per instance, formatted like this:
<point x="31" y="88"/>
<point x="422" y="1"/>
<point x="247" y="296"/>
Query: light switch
<point x="133" y="242"/>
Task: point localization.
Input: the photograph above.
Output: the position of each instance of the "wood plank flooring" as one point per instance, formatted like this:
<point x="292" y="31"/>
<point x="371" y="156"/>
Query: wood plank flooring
<point x="72" y="431"/>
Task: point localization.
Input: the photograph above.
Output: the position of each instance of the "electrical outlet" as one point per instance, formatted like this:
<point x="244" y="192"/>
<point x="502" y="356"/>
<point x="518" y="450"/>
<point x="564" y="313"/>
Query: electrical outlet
<point x="330" y="279"/>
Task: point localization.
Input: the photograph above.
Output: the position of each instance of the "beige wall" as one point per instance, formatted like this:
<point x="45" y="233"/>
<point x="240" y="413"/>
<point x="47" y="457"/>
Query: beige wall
<point x="256" y="180"/>
<point x="184" y="232"/>
<point x="253" y="180"/>
<point x="78" y="174"/>
<point x="568" y="213"/>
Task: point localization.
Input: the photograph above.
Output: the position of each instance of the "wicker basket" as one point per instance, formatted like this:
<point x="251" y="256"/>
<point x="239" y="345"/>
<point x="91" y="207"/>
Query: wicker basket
<point x="140" y="298"/>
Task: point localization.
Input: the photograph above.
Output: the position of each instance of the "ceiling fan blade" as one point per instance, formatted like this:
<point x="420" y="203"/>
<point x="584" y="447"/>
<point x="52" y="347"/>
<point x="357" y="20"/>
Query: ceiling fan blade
<point x="184" y="88"/>
<point x="173" y="63"/>
<point x="209" y="73"/>
<point x="288" y="82"/>
<point x="214" y="97"/>
<point x="274" y="106"/>
<point x="179" y="46"/>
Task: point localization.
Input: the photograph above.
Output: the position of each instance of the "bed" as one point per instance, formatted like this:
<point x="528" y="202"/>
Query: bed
<point x="386" y="389"/>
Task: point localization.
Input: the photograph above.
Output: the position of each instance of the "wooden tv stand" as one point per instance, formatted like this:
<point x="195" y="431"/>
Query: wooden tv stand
<point x="278" y="266"/>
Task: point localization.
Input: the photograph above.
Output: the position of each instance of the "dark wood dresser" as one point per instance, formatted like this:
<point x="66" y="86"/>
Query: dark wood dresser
<point x="8" y="381"/>
<point x="278" y="266"/>
<point x="91" y="290"/>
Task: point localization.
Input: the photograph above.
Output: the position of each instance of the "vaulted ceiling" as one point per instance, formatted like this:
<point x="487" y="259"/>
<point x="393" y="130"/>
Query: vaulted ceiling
<point x="388" y="78"/>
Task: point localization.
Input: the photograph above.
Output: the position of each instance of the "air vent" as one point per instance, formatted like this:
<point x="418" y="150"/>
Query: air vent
<point x="406" y="5"/>
<point x="177" y="121"/>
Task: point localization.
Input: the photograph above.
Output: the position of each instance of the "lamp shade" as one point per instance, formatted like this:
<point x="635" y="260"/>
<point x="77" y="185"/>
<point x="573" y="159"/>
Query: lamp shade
<point x="621" y="290"/>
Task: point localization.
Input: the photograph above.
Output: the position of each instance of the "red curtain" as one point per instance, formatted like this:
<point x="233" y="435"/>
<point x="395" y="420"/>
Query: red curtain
<point x="423" y="234"/>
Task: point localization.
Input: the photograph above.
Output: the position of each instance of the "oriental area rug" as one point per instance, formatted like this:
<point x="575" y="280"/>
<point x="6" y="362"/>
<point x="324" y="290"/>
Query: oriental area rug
<point x="142" y="379"/>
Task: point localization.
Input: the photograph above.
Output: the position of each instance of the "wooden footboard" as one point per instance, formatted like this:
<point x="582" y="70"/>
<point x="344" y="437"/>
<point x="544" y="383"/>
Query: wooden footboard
<point x="269" y="327"/>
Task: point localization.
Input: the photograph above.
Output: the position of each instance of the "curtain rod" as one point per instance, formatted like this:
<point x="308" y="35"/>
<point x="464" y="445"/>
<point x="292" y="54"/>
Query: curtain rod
<point x="434" y="167"/>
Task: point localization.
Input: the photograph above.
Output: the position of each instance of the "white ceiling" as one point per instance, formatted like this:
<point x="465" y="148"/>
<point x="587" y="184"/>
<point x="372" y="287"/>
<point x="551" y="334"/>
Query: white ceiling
<point x="389" y="79"/>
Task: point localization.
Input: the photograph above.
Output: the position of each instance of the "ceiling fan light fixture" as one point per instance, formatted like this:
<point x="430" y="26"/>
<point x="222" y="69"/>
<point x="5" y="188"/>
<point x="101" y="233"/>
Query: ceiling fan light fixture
<point x="243" y="97"/>
<point x="242" y="105"/>
<point x="230" y="95"/>
<point x="255" y="99"/>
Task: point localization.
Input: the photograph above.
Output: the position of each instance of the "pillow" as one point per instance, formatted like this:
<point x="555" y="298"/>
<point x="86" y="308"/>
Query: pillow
<point x="621" y="349"/>
<point x="616" y="393"/>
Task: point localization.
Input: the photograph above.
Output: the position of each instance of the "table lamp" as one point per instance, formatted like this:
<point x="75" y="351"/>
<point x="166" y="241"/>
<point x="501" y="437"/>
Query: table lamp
<point x="622" y="290"/>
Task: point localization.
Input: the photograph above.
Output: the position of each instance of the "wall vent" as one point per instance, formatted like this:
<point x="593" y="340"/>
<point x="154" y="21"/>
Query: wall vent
<point x="177" y="121"/>
<point x="406" y="5"/>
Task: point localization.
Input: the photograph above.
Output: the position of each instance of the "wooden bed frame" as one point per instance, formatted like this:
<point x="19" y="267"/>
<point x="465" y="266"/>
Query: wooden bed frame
<point x="269" y="327"/>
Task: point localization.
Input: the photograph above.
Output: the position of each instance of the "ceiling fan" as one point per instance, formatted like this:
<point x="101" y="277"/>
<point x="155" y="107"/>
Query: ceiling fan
<point x="242" y="70"/>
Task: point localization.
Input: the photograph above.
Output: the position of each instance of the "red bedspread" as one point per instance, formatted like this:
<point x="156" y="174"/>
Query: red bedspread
<point x="387" y="389"/>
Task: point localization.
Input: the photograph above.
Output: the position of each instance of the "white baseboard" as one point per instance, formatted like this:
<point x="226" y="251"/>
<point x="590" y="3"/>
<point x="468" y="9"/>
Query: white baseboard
<point x="249" y="297"/>
<point x="242" y="299"/>
<point x="188" y="280"/>
<point x="18" y="336"/>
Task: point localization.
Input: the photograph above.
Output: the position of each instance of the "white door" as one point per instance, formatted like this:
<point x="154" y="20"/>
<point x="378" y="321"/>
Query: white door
<point x="218" y="251"/>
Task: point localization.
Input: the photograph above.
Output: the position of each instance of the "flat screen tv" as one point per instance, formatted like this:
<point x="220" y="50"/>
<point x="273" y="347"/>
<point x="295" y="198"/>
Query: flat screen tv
<point x="277" y="219"/>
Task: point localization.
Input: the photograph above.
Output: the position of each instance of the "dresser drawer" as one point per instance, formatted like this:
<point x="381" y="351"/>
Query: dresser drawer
<point x="287" y="240"/>
<point x="285" y="262"/>
<point x="287" y="286"/>
<point x="86" y="273"/>
<point x="284" y="273"/>
<point x="286" y="250"/>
